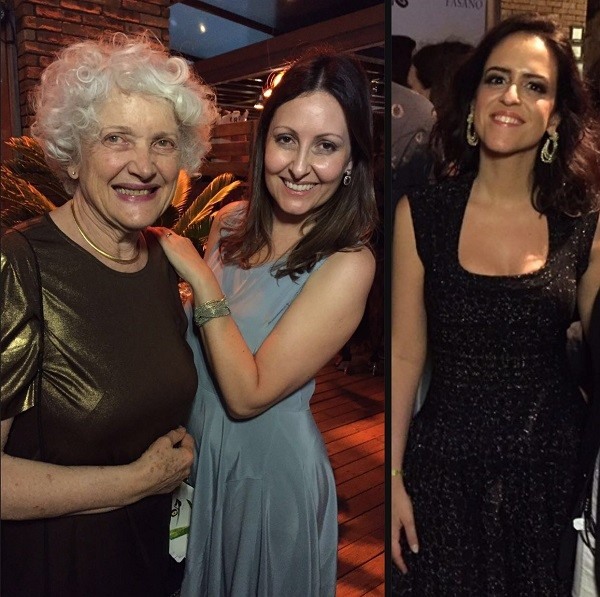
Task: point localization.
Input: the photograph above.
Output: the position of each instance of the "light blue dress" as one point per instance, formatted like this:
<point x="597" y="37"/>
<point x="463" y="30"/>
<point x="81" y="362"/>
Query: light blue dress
<point x="264" y="516"/>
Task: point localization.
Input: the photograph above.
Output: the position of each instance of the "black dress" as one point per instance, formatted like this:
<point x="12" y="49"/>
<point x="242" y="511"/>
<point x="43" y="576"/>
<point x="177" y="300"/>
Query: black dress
<point x="117" y="374"/>
<point x="491" y="456"/>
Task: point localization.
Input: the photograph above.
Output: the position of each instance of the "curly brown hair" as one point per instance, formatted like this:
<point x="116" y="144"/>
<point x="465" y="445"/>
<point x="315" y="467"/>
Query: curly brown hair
<point x="570" y="184"/>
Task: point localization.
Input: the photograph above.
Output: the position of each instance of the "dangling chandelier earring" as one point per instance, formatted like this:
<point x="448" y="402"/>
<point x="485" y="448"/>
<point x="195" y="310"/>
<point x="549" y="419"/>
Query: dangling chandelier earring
<point x="347" y="178"/>
<point x="472" y="136"/>
<point x="549" y="148"/>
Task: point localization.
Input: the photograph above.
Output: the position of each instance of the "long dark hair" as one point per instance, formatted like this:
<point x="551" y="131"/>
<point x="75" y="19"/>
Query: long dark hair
<point x="344" y="222"/>
<point x="571" y="184"/>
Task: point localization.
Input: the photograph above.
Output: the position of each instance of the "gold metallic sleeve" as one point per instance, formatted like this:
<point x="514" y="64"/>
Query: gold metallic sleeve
<point x="19" y="325"/>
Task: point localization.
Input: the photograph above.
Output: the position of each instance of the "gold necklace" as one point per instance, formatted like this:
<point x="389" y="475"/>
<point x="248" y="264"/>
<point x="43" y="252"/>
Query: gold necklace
<point x="98" y="250"/>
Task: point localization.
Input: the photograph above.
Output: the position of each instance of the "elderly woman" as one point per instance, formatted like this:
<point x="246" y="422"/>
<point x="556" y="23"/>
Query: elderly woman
<point x="488" y="268"/>
<point x="295" y="268"/>
<point x="98" y="378"/>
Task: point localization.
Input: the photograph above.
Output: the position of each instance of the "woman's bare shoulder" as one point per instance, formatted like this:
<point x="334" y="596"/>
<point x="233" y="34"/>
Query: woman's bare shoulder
<point x="235" y="207"/>
<point x="358" y="265"/>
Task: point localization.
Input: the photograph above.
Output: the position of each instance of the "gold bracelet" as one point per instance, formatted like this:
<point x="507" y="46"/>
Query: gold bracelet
<point x="211" y="309"/>
<point x="397" y="472"/>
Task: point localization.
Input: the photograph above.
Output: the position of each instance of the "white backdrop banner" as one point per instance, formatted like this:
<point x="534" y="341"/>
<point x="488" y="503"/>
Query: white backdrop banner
<point x="432" y="21"/>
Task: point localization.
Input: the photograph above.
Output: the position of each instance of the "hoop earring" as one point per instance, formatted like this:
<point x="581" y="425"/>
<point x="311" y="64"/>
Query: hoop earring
<point x="549" y="148"/>
<point x="347" y="178"/>
<point x="472" y="136"/>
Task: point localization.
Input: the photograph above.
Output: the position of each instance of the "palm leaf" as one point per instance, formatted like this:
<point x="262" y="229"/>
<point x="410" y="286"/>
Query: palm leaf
<point x="199" y="233"/>
<point x="182" y="191"/>
<point x="28" y="150"/>
<point x="29" y="164"/>
<point x="202" y="207"/>
<point x="20" y="199"/>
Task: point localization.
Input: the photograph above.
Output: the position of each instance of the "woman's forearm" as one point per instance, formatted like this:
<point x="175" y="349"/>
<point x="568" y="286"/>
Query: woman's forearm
<point x="227" y="352"/>
<point x="405" y="382"/>
<point x="33" y="489"/>
<point x="316" y="325"/>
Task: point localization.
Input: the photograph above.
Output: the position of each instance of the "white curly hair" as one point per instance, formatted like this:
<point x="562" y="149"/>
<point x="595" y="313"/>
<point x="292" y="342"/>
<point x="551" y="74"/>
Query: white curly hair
<point x="84" y="74"/>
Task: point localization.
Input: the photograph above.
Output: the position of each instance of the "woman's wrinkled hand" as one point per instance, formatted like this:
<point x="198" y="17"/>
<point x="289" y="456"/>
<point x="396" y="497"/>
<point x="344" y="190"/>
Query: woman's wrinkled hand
<point x="167" y="462"/>
<point x="182" y="254"/>
<point x="402" y="521"/>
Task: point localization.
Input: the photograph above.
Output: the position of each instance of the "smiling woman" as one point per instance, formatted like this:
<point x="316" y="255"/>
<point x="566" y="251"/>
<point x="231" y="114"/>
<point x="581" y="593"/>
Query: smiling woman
<point x="488" y="266"/>
<point x="515" y="102"/>
<point x="127" y="174"/>
<point x="97" y="376"/>
<point x="307" y="153"/>
<point x="295" y="267"/>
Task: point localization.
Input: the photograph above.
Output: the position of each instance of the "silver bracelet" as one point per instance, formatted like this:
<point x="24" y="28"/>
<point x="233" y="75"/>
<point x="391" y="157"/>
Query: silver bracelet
<point x="211" y="309"/>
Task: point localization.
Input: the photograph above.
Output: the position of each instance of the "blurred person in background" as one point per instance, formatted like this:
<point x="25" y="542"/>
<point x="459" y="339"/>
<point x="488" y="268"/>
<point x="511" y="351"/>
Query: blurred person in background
<point x="433" y="67"/>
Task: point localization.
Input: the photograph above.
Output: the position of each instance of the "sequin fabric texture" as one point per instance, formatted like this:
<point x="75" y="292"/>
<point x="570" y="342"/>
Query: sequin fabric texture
<point x="491" y="455"/>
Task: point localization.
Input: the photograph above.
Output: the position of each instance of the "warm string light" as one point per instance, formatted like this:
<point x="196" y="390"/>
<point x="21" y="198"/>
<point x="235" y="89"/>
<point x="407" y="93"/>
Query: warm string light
<point x="273" y="80"/>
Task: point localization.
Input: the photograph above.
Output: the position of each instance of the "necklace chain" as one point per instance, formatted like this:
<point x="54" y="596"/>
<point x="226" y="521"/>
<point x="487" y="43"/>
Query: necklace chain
<point x="98" y="250"/>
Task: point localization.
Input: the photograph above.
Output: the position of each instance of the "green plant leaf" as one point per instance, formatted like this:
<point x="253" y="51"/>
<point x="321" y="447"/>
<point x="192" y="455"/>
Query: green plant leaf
<point x="20" y="199"/>
<point x="30" y="165"/>
<point x="182" y="191"/>
<point x="203" y="206"/>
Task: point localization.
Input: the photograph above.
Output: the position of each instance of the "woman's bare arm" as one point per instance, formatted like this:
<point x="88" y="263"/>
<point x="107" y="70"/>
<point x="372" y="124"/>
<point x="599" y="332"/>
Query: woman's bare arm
<point x="33" y="489"/>
<point x="409" y="347"/>
<point x="317" y="324"/>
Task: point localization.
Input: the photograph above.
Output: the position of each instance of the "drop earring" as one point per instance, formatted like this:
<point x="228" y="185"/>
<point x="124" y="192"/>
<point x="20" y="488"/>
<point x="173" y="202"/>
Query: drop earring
<point x="347" y="178"/>
<point x="550" y="148"/>
<point x="472" y="136"/>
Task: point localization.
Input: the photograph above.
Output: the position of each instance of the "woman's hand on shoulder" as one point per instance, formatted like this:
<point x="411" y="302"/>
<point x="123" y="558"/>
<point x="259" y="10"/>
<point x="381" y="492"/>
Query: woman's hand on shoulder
<point x="182" y="254"/>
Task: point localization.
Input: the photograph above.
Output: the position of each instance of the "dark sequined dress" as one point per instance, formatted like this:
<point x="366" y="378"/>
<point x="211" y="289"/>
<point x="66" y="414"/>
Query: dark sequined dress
<point x="490" y="460"/>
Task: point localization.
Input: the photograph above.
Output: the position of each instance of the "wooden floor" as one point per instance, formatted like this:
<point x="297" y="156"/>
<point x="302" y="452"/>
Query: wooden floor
<point x="349" y="410"/>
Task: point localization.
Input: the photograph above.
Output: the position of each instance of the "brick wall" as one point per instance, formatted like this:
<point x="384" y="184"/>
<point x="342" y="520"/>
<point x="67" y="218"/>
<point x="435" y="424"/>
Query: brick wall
<point x="571" y="12"/>
<point x="45" y="26"/>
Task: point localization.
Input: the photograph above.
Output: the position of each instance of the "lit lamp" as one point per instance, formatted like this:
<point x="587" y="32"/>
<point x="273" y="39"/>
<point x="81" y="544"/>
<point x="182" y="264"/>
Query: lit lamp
<point x="576" y="37"/>
<point x="272" y="81"/>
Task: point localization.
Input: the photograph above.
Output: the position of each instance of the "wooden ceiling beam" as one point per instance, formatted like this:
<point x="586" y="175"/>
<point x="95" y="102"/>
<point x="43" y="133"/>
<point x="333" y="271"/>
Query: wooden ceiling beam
<point x="352" y="32"/>
<point x="229" y="16"/>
